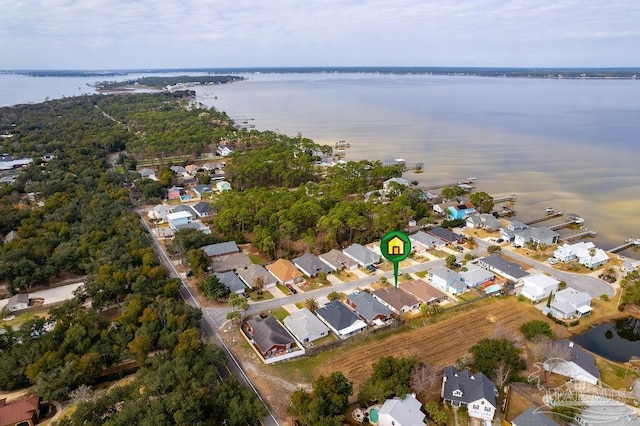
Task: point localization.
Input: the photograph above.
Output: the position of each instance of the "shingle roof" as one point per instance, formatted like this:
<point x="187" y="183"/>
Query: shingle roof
<point x="337" y="259"/>
<point x="284" y="270"/>
<point x="582" y="358"/>
<point x="367" y="306"/>
<point x="405" y="411"/>
<point x="422" y="290"/>
<point x="311" y="264"/>
<point x="219" y="249"/>
<point x="445" y="234"/>
<point x="269" y="332"/>
<point x="533" y="418"/>
<point x="498" y="263"/>
<point x="250" y="273"/>
<point x="425" y="239"/>
<point x="230" y="280"/>
<point x="473" y="387"/>
<point x="361" y="254"/>
<point x="337" y="315"/>
<point x="303" y="324"/>
<point x="202" y="207"/>
<point x="397" y="299"/>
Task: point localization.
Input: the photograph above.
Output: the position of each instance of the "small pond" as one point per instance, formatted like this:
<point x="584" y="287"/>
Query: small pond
<point x="618" y="340"/>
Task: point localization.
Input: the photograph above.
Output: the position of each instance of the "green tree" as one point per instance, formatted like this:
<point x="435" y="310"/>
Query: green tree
<point x="533" y="328"/>
<point x="312" y="304"/>
<point x="488" y="352"/>
<point x="451" y="261"/>
<point x="213" y="288"/>
<point x="390" y="376"/>
<point x="482" y="201"/>
<point x="198" y="261"/>
<point x="494" y="249"/>
<point x="327" y="402"/>
<point x="437" y="412"/>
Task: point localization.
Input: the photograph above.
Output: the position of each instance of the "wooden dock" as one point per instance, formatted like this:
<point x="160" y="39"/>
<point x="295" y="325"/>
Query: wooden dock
<point x="504" y="198"/>
<point x="582" y="234"/>
<point x="468" y="181"/>
<point x="627" y="244"/>
<point x="543" y="218"/>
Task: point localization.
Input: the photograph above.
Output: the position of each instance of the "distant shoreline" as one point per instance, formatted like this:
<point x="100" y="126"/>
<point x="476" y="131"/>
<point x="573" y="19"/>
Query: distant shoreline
<point x="586" y="73"/>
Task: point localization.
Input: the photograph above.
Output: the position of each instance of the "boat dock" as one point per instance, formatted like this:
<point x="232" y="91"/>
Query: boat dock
<point x="562" y="225"/>
<point x="582" y="234"/>
<point x="468" y="181"/>
<point x="543" y="218"/>
<point x="627" y="243"/>
<point x="504" y="198"/>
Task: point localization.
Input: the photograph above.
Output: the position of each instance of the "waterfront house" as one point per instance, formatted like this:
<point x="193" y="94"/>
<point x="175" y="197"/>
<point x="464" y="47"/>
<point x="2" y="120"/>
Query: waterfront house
<point x="446" y="236"/>
<point x="285" y="272"/>
<point x="496" y="264"/>
<point x="178" y="219"/>
<point x="231" y="281"/>
<point x="362" y="255"/>
<point x="541" y="235"/>
<point x="475" y="276"/>
<point x="474" y="391"/>
<point x="446" y="280"/>
<point x="398" y="301"/>
<point x="442" y="208"/>
<point x="202" y="209"/>
<point x="423" y="291"/>
<point x="250" y="274"/>
<point x="220" y="249"/>
<point x="368" y="308"/>
<point x="580" y="365"/>
<point x="401" y="412"/>
<point x="570" y="303"/>
<point x="586" y="253"/>
<point x="483" y="221"/>
<point x="538" y="287"/>
<point x="422" y="242"/>
<point x="340" y="319"/>
<point x="311" y="265"/>
<point x="515" y="225"/>
<point x="337" y="260"/>
<point x="18" y="302"/>
<point x="305" y="326"/>
<point x="460" y="211"/>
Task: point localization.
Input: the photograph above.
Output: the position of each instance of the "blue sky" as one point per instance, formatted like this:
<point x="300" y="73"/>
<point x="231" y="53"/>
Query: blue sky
<point x="103" y="34"/>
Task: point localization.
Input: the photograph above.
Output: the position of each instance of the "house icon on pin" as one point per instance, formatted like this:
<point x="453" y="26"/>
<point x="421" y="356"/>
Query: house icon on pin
<point x="396" y="246"/>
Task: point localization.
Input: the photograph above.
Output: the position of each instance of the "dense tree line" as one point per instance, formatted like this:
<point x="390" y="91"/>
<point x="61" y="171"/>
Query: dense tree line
<point x="163" y="81"/>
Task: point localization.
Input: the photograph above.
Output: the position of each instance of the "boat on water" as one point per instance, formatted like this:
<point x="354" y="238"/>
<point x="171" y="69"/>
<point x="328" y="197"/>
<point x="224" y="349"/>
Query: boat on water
<point x="550" y="210"/>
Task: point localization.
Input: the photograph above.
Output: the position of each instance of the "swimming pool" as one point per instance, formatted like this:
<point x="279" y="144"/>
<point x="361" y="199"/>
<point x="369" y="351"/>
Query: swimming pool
<point x="373" y="415"/>
<point x="493" y="288"/>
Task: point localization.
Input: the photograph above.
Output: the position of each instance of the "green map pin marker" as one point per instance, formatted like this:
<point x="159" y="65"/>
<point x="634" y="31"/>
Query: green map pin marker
<point x="395" y="247"/>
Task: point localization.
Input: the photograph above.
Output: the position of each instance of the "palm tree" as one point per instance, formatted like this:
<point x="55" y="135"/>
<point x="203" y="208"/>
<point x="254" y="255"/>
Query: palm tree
<point x="542" y="247"/>
<point x="312" y="304"/>
<point x="258" y="283"/>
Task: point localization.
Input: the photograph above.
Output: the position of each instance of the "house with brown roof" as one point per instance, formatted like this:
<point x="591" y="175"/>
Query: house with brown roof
<point x="423" y="291"/>
<point x="396" y="300"/>
<point x="24" y="412"/>
<point x="285" y="272"/>
<point x="271" y="339"/>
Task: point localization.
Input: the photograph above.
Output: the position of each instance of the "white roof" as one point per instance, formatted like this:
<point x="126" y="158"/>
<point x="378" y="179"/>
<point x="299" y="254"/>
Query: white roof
<point x="404" y="412"/>
<point x="178" y="215"/>
<point x="541" y="281"/>
<point x="303" y="324"/>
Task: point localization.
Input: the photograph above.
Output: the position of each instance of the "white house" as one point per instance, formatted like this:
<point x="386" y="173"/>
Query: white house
<point x="475" y="276"/>
<point x="569" y="303"/>
<point x="580" y="365"/>
<point x="476" y="392"/>
<point x="18" y="302"/>
<point x="401" y="412"/>
<point x="224" y="151"/>
<point x="178" y="219"/>
<point x="305" y="326"/>
<point x="539" y="286"/>
<point x="421" y="242"/>
<point x="586" y="253"/>
<point x="147" y="173"/>
<point x="541" y="235"/>
<point x="400" y="181"/>
<point x="340" y="319"/>
<point x="159" y="213"/>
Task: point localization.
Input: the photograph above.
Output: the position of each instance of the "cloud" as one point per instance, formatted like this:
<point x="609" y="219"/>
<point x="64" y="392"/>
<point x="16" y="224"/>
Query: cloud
<point x="287" y="32"/>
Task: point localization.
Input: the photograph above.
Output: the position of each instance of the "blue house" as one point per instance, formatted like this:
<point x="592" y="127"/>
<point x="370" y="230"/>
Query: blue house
<point x="461" y="211"/>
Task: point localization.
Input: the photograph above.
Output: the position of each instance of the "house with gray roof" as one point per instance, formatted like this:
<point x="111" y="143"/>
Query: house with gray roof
<point x="159" y="213"/>
<point x="180" y="171"/>
<point x="200" y="190"/>
<point x="362" y="255"/>
<point x="18" y="302"/>
<point x="202" y="209"/>
<point x="269" y="337"/>
<point x="483" y="221"/>
<point x="229" y="262"/>
<point x="448" y="237"/>
<point x="474" y="391"/>
<point x="446" y="280"/>
<point x="249" y="275"/>
<point x="422" y="242"/>
<point x="401" y="412"/>
<point x="541" y="235"/>
<point x="184" y="208"/>
<point x="496" y="264"/>
<point x="231" y="281"/>
<point x="219" y="249"/>
<point x="534" y="417"/>
<point x="368" y="308"/>
<point x="475" y="276"/>
<point x="147" y="173"/>
<point x="340" y="319"/>
<point x="570" y="303"/>
<point x="311" y="265"/>
<point x="305" y="326"/>
<point x="337" y="260"/>
<point x="580" y="365"/>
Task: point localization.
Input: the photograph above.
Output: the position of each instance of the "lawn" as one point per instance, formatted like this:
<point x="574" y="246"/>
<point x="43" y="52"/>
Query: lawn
<point x="266" y="295"/>
<point x="258" y="258"/>
<point x="438" y="253"/>
<point x="283" y="289"/>
<point x="23" y="317"/>
<point x="468" y="296"/>
<point x="422" y="274"/>
<point x="345" y="276"/>
<point x="313" y="284"/>
<point x="279" y="313"/>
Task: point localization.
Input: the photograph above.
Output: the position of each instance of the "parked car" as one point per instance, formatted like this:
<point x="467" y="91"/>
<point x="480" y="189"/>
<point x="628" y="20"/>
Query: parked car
<point x="460" y="248"/>
<point x="500" y="240"/>
<point x="371" y="268"/>
<point x="552" y="261"/>
<point x="291" y="289"/>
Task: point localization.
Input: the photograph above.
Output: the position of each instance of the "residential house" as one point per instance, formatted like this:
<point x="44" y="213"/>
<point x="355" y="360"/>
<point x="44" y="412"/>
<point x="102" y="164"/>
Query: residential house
<point x="422" y="242"/>
<point x="423" y="291"/>
<point x="475" y="276"/>
<point x="628" y="265"/>
<point x="9" y="163"/>
<point x="174" y="193"/>
<point x="184" y="208"/>
<point x="362" y="255"/>
<point x="397" y="300"/>
<point x="496" y="264"/>
<point x="311" y="265"/>
<point x="231" y="281"/>
<point x="534" y="417"/>
<point x="340" y="319"/>
<point x="224" y="151"/>
<point x="220" y="249"/>
<point x="460" y="211"/>
<point x="230" y="262"/>
<point x="368" y="308"/>
<point x="400" y="181"/>
<point x="18" y="302"/>
<point x="252" y="272"/>
<point x="484" y="221"/>
<point x="269" y="337"/>
<point x="210" y="167"/>
<point x="11" y="235"/>
<point x="401" y="412"/>
<point x="180" y="171"/>
<point x="222" y="186"/>
<point x="474" y="391"/>
<point x="200" y="190"/>
<point x="538" y="287"/>
<point x="443" y="207"/>
<point x="197" y="225"/>
<point x="178" y="219"/>
<point x="48" y="156"/>
<point x="337" y="260"/>
<point x="474" y="222"/>
<point x="583" y="252"/>
<point x="202" y="209"/>
<point x="147" y="174"/>
<point x="285" y="272"/>
<point x="305" y="326"/>
<point x="515" y="225"/>
<point x="570" y="303"/>
<point x="159" y="213"/>
<point x="580" y="365"/>
<point x="23" y="412"/>
<point x="446" y="280"/>
<point x="541" y="235"/>
<point x="446" y="236"/>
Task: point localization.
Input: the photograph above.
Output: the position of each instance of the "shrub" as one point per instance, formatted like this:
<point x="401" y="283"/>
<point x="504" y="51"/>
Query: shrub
<point x="604" y="297"/>
<point x="534" y="328"/>
<point x="333" y="296"/>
